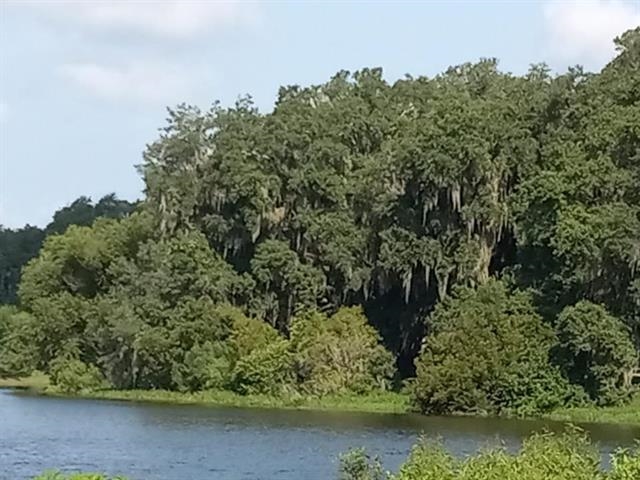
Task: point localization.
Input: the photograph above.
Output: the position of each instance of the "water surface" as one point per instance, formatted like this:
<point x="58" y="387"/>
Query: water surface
<point x="166" y="442"/>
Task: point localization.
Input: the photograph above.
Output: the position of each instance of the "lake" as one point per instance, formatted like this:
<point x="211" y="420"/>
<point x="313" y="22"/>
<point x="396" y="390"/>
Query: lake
<point x="166" y="442"/>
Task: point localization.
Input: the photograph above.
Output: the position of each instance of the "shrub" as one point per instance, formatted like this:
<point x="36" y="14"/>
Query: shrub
<point x="625" y="465"/>
<point x="595" y="349"/>
<point x="249" y="334"/>
<point x="339" y="354"/>
<point x="568" y="456"/>
<point x="427" y="461"/>
<point x="18" y="348"/>
<point x="357" y="465"/>
<point x="73" y="375"/>
<point x="205" y="367"/>
<point x="267" y="370"/>
<point x="488" y="352"/>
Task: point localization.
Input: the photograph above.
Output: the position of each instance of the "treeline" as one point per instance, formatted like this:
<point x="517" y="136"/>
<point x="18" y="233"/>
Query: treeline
<point x="18" y="246"/>
<point x="486" y="225"/>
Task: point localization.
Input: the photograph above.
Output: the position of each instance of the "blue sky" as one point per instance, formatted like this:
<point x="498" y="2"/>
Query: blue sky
<point x="84" y="85"/>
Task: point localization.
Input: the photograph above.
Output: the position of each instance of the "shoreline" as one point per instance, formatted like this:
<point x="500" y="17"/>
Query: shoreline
<point x="378" y="403"/>
<point x="375" y="403"/>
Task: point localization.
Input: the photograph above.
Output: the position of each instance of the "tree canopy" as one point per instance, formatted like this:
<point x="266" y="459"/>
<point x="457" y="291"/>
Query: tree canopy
<point x="18" y="246"/>
<point x="484" y="223"/>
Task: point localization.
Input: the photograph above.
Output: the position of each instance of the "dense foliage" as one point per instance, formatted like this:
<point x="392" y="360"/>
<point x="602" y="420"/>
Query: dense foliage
<point x="550" y="457"/>
<point x="19" y="246"/>
<point x="111" y="303"/>
<point x="488" y="351"/>
<point x="595" y="350"/>
<point x="485" y="224"/>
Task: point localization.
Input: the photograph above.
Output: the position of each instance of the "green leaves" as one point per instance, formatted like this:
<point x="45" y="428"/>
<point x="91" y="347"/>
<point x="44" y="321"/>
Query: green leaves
<point x="487" y="352"/>
<point x="341" y="353"/>
<point x="393" y="197"/>
<point x="276" y="268"/>
<point x="596" y="351"/>
<point x="73" y="376"/>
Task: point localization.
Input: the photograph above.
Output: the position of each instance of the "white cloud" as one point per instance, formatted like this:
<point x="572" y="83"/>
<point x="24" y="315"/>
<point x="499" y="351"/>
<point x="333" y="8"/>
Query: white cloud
<point x="149" y="83"/>
<point x="172" y="18"/>
<point x="583" y="31"/>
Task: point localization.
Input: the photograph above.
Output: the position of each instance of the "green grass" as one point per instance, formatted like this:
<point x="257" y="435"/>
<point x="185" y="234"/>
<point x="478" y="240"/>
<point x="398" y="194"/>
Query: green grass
<point x="36" y="381"/>
<point x="383" y="402"/>
<point x="625" y="414"/>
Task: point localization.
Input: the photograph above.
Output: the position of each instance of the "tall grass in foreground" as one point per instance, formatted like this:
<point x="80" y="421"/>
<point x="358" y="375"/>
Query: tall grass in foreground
<point x="569" y="456"/>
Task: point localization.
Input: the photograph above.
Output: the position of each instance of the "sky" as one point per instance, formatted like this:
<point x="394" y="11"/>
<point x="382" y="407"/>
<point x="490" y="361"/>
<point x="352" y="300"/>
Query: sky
<point x="84" y="85"/>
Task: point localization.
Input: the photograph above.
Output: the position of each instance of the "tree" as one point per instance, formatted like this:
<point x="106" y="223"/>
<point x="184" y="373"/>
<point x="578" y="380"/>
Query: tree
<point x="488" y="351"/>
<point x="284" y="283"/>
<point x="83" y="212"/>
<point x="595" y="350"/>
<point x="295" y="249"/>
<point x="340" y="353"/>
<point x="19" y="246"/>
<point x="18" y="351"/>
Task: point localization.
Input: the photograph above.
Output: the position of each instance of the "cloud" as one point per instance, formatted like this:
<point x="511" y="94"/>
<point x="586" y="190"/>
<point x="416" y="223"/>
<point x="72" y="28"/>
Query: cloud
<point x="583" y="31"/>
<point x="170" y="18"/>
<point x="149" y="83"/>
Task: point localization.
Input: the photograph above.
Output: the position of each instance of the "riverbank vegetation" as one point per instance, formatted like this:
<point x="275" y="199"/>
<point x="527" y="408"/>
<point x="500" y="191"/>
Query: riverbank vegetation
<point x="544" y="456"/>
<point x="37" y="381"/>
<point x="623" y="413"/>
<point x="472" y="239"/>
<point x="378" y="402"/>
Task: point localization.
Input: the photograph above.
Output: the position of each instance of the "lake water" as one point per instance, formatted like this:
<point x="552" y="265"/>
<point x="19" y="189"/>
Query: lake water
<point x="163" y="442"/>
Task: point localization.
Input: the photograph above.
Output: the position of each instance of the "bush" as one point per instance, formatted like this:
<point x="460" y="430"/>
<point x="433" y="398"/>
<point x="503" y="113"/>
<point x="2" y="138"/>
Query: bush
<point x="339" y="354"/>
<point x="625" y="465"/>
<point x="569" y="456"/>
<point x="357" y="465"/>
<point x="427" y="461"/>
<point x="205" y="367"/>
<point x="595" y="350"/>
<point x="488" y="352"/>
<point x="249" y="334"/>
<point x="73" y="375"/>
<point x="267" y="370"/>
<point x="18" y="347"/>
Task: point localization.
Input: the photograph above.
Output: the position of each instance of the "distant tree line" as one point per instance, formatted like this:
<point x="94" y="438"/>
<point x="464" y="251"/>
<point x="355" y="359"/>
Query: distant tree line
<point x="18" y="246"/>
<point x="482" y="227"/>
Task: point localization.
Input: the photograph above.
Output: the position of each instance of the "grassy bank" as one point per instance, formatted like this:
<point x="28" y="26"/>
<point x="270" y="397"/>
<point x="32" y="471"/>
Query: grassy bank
<point x="387" y="402"/>
<point x="384" y="402"/>
<point x="625" y="414"/>
<point x="36" y="381"/>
